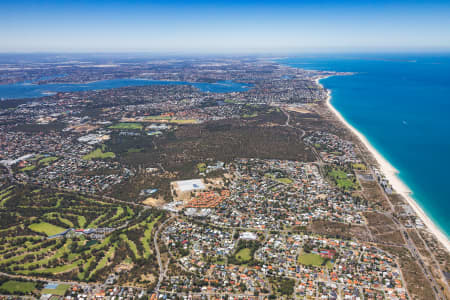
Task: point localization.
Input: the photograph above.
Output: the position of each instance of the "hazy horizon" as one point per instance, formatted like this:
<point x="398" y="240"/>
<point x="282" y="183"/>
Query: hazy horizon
<point x="239" y="52"/>
<point x="245" y="27"/>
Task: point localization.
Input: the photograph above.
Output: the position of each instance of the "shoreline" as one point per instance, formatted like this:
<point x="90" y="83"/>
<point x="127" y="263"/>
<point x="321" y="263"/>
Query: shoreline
<point x="390" y="173"/>
<point x="241" y="86"/>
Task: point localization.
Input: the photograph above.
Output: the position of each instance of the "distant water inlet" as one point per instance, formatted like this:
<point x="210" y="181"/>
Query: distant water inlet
<point x="29" y="90"/>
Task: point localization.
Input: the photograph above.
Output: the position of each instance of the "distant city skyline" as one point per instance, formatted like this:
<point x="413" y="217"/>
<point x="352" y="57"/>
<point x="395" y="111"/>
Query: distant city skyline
<point x="224" y="26"/>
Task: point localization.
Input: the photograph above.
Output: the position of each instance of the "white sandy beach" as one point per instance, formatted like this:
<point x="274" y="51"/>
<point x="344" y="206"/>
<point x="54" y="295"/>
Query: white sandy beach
<point x="391" y="174"/>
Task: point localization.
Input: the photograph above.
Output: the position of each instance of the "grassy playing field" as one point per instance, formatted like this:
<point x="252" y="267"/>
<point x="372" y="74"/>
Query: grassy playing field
<point x="28" y="168"/>
<point x="98" y="153"/>
<point x="47" y="160"/>
<point x="181" y="122"/>
<point x="13" y="286"/>
<point x="342" y="180"/>
<point x="47" y="228"/>
<point x="134" y="150"/>
<point x="244" y="255"/>
<point x="60" y="290"/>
<point x="284" y="180"/>
<point x="134" y="126"/>
<point x="250" y="115"/>
<point x="312" y="259"/>
<point x="359" y="166"/>
<point x="158" y="118"/>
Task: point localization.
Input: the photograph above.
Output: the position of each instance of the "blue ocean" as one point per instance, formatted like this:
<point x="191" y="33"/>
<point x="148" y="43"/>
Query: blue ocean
<point x="30" y="90"/>
<point x="401" y="103"/>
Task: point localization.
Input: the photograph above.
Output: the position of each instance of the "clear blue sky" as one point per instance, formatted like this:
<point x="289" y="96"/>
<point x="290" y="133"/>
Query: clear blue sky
<point x="224" y="26"/>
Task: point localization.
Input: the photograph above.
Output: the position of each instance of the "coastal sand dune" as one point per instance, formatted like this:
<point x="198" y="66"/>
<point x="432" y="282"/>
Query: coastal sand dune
<point x="391" y="174"/>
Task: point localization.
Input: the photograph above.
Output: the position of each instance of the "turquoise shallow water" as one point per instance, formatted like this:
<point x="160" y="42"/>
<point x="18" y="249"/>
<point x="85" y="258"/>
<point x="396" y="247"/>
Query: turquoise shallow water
<point x="27" y="90"/>
<point x="401" y="103"/>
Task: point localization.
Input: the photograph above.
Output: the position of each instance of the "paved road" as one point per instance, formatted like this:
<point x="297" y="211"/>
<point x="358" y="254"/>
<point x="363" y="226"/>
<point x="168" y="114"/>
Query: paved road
<point x="409" y="243"/>
<point x="83" y="284"/>
<point x="288" y="118"/>
<point x="213" y="294"/>
<point x="162" y="269"/>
